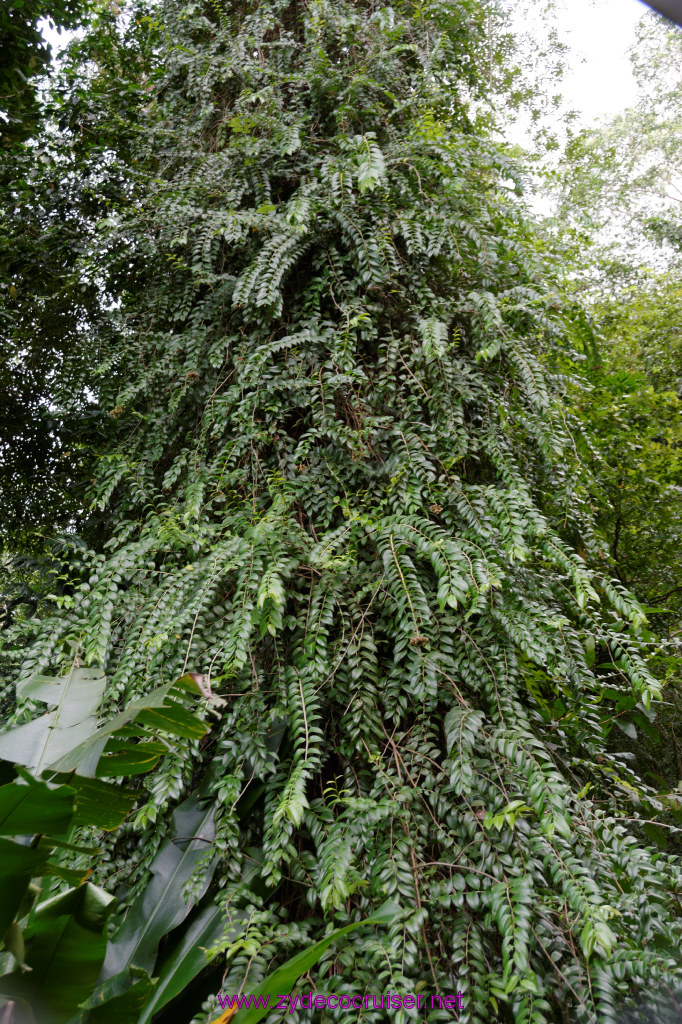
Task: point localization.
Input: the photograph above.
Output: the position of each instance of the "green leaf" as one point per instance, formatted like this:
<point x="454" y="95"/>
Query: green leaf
<point x="14" y="944"/>
<point x="175" y="719"/>
<point x="119" y="1000"/>
<point x="121" y="758"/>
<point x="162" y="906"/>
<point x="203" y="930"/>
<point x="590" y="651"/>
<point x="627" y="727"/>
<point x="49" y="842"/>
<point x="189" y="956"/>
<point x="85" y="757"/>
<point x="18" y="865"/>
<point x="657" y="834"/>
<point x="103" y="804"/>
<point x="562" y="823"/>
<point x="588" y="939"/>
<point x="370" y="164"/>
<point x="65" y="944"/>
<point x="30" y="807"/>
<point x="74" y="698"/>
<point x="641" y="721"/>
<point x="281" y="981"/>
<point x="74" y="876"/>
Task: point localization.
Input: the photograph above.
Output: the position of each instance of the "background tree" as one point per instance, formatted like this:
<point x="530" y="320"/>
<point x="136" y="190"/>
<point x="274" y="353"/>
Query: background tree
<point x="24" y="56"/>
<point x="614" y="238"/>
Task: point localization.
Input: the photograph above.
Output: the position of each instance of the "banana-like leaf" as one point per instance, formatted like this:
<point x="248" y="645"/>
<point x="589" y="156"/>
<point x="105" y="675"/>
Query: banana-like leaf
<point x="18" y="865"/>
<point x="174" y="719"/>
<point x="74" y="699"/>
<point x="65" y="945"/>
<point x="170" y="716"/>
<point x="74" y="876"/>
<point x="281" y="981"/>
<point x="99" y="803"/>
<point x="188" y="957"/>
<point x="68" y="739"/>
<point x="14" y="944"/>
<point x="28" y="807"/>
<point x="162" y="906"/>
<point x="117" y="1001"/>
<point x="49" y="842"/>
<point x="120" y="757"/>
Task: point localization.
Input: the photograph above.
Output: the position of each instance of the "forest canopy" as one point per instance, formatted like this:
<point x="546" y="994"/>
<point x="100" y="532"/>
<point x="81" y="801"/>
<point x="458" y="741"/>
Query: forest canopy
<point x="341" y="498"/>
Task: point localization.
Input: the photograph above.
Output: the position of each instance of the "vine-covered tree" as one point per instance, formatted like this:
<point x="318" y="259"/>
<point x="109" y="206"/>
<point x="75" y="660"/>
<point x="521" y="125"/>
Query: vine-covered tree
<point x="338" y="491"/>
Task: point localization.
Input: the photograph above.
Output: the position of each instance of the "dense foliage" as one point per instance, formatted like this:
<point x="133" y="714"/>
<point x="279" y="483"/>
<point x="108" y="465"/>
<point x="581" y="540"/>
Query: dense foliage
<point x="336" y="483"/>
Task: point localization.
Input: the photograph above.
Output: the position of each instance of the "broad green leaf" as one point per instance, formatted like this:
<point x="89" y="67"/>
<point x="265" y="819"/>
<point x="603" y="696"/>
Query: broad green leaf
<point x="123" y="758"/>
<point x="74" y="876"/>
<point x="588" y="939"/>
<point x="562" y="823"/>
<point x="204" y="929"/>
<point x="119" y="1000"/>
<point x="162" y="906"/>
<point x="657" y="834"/>
<point x="85" y="757"/>
<point x="51" y="843"/>
<point x="30" y="807"/>
<point x="18" y="865"/>
<point x="590" y="652"/>
<point x="74" y="699"/>
<point x="65" y="945"/>
<point x="281" y="981"/>
<point x="14" y="943"/>
<point x="189" y="956"/>
<point x="99" y="803"/>
<point x="174" y="719"/>
<point x="642" y="722"/>
<point x="627" y="727"/>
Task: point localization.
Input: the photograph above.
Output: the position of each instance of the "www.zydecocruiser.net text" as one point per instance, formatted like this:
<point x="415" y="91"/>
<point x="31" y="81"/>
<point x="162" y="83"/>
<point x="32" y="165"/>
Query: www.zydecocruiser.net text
<point x="318" y="1001"/>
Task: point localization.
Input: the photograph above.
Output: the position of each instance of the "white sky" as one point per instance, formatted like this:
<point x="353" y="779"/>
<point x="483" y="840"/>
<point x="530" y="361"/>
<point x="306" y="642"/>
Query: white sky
<point x="597" y="81"/>
<point x="600" y="31"/>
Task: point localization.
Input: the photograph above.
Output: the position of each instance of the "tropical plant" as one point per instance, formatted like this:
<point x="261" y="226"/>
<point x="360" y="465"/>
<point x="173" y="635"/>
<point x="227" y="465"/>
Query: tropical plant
<point x="47" y="934"/>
